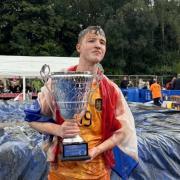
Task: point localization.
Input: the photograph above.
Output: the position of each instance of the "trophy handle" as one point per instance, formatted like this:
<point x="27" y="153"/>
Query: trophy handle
<point x="45" y="73"/>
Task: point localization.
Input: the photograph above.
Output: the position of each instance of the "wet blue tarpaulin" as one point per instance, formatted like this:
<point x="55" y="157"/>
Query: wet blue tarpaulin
<point x="158" y="145"/>
<point x="21" y="156"/>
<point x="21" y="160"/>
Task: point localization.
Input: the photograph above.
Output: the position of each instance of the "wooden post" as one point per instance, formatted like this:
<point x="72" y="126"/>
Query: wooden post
<point x="24" y="88"/>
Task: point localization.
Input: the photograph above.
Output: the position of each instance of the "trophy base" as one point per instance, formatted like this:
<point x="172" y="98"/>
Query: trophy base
<point x="78" y="158"/>
<point x="75" y="152"/>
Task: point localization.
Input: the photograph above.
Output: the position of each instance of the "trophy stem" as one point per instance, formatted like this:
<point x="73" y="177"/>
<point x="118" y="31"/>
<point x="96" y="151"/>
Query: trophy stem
<point x="76" y="139"/>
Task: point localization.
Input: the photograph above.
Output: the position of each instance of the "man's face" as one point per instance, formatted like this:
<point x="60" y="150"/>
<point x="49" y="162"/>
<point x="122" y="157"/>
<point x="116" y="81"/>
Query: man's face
<point x="92" y="48"/>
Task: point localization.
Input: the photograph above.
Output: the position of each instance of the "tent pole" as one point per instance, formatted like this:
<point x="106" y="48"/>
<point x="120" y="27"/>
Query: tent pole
<point x="24" y="88"/>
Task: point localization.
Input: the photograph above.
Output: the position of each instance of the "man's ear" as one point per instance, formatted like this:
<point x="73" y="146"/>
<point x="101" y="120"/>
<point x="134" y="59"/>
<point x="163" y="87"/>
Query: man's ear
<point x="78" y="47"/>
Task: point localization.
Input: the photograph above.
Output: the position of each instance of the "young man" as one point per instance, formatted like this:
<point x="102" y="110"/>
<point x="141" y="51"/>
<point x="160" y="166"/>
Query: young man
<point x="112" y="123"/>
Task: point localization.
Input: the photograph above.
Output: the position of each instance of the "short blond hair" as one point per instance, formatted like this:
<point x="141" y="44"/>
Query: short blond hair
<point x="91" y="29"/>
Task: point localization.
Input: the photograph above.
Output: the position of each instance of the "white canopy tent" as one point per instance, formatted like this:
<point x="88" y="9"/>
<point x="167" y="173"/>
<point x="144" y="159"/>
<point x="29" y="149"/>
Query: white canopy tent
<point x="30" y="66"/>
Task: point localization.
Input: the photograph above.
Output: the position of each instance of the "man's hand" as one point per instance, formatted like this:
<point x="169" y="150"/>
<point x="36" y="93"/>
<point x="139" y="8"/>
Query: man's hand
<point x="95" y="151"/>
<point x="106" y="145"/>
<point x="69" y="128"/>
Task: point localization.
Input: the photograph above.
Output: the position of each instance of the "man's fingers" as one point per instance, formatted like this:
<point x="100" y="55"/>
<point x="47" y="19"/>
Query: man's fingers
<point x="70" y="123"/>
<point x="70" y="134"/>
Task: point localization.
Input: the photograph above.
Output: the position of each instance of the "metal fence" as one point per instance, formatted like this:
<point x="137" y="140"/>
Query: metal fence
<point x="135" y="79"/>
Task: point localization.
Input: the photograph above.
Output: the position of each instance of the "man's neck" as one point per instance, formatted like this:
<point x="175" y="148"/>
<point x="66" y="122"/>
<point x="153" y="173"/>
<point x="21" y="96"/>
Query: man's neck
<point x="85" y="67"/>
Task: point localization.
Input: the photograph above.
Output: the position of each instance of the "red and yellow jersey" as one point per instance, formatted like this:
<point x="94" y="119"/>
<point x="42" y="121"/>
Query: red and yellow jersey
<point x="91" y="132"/>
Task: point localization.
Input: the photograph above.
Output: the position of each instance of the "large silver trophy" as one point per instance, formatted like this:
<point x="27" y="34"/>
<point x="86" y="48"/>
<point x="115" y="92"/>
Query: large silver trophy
<point x="70" y="91"/>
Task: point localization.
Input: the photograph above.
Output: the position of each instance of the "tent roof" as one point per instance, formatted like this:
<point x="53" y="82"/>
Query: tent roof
<point x="30" y="66"/>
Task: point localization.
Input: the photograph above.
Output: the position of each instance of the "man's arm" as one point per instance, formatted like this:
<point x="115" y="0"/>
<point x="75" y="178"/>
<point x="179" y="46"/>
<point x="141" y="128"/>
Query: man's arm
<point x="66" y="129"/>
<point x="106" y="145"/>
<point x="125" y="137"/>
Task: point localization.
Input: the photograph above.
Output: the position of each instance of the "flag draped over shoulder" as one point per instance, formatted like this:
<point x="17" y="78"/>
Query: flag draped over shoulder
<point x="124" y="136"/>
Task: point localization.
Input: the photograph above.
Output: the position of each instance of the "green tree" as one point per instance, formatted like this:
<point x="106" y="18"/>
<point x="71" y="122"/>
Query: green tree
<point x="31" y="28"/>
<point x="142" y="37"/>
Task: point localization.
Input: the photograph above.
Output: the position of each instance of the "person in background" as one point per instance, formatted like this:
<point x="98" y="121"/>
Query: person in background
<point x="176" y="84"/>
<point x="141" y="83"/>
<point x="151" y="81"/>
<point x="1" y="87"/>
<point x="130" y="84"/>
<point x="172" y="82"/>
<point x="155" y="89"/>
<point x="168" y="85"/>
<point x="36" y="85"/>
<point x="146" y="85"/>
<point x="124" y="83"/>
<point x="112" y="123"/>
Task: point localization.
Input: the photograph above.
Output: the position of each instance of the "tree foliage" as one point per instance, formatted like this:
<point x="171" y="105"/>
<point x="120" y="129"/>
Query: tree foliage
<point x="143" y="36"/>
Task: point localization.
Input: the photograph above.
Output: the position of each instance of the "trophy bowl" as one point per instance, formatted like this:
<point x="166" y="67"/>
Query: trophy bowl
<point x="70" y="91"/>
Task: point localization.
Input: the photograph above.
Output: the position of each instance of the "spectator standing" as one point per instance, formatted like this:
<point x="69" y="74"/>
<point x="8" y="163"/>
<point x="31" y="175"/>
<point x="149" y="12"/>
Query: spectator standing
<point x="1" y="86"/>
<point x="124" y="83"/>
<point x="141" y="84"/>
<point x="130" y="84"/>
<point x="146" y="85"/>
<point x="176" y="84"/>
<point x="156" y="93"/>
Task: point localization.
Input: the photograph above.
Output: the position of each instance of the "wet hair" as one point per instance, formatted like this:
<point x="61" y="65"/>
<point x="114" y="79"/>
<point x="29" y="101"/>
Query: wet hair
<point x="91" y="29"/>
